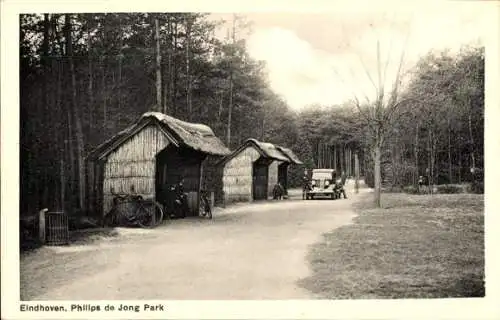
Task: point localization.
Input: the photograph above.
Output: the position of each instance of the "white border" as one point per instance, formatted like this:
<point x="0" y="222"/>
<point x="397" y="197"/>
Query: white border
<point x="356" y="309"/>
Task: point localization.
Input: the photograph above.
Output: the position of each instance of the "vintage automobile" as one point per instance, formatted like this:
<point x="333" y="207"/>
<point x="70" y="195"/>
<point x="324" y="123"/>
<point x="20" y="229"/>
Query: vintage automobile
<point x="322" y="184"/>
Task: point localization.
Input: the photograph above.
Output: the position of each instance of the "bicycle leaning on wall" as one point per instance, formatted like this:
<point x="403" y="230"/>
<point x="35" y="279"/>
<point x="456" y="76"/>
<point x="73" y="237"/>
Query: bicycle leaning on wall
<point x="133" y="210"/>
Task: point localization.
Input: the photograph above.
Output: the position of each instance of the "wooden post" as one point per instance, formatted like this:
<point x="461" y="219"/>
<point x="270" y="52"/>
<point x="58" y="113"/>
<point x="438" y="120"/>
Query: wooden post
<point x="41" y="226"/>
<point x="356" y="169"/>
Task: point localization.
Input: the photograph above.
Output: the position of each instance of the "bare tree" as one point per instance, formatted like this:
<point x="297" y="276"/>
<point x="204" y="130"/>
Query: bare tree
<point x="379" y="114"/>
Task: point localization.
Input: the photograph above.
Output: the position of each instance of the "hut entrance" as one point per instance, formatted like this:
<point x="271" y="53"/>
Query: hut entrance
<point x="283" y="174"/>
<point x="260" y="173"/>
<point x="172" y="165"/>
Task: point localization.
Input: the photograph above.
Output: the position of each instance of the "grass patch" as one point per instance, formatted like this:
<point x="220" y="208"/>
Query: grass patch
<point x="414" y="247"/>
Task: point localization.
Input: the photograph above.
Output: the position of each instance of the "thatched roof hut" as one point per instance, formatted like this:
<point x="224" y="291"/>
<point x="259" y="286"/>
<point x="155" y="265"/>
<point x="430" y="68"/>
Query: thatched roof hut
<point x="154" y="152"/>
<point x="196" y="136"/>
<point x="251" y="171"/>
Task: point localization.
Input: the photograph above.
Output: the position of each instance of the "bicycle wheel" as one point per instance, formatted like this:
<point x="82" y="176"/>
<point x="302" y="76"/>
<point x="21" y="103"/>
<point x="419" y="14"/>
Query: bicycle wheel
<point x="150" y="214"/>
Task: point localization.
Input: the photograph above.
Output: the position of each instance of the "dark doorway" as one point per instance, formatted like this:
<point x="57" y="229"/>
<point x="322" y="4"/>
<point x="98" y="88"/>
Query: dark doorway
<point x="172" y="165"/>
<point x="283" y="175"/>
<point x="260" y="173"/>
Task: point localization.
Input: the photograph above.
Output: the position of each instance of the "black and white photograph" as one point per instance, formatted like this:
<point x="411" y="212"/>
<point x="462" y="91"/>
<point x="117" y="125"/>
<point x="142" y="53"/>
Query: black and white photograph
<point x="248" y="155"/>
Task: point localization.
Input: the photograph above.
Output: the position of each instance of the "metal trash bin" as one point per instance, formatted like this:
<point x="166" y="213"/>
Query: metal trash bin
<point x="57" y="229"/>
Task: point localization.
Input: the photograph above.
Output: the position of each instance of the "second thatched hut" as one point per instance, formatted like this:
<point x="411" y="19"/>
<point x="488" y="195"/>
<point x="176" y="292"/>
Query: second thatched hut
<point x="251" y="171"/>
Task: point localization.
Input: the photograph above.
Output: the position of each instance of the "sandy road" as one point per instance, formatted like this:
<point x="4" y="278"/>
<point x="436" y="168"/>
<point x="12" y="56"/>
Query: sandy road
<point x="250" y="251"/>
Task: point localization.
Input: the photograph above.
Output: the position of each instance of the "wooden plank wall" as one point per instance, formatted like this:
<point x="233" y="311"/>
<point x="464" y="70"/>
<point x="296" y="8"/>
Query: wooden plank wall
<point x="273" y="176"/>
<point x="237" y="176"/>
<point x="133" y="164"/>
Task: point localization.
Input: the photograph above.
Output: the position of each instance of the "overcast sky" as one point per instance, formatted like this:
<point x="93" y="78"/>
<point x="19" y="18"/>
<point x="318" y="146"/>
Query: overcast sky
<point x="322" y="57"/>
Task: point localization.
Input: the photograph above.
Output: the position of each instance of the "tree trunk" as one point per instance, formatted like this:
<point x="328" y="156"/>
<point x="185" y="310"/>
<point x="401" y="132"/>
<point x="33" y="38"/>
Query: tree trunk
<point x="318" y="155"/>
<point x="350" y="162"/>
<point x="104" y="99"/>
<point x="77" y="118"/>
<point x="335" y="158"/>
<point x="60" y="141"/>
<point x="415" y="152"/>
<point x="120" y="62"/>
<point x="230" y="109"/>
<point x="342" y="158"/>
<point x="320" y="158"/>
<point x="263" y="129"/>
<point x="377" y="158"/>
<point x="158" y="66"/>
<point x="430" y="173"/>
<point x="90" y="91"/>
<point x="356" y="170"/>
<point x="168" y="84"/>
<point x="471" y="141"/>
<point x="450" y="167"/>
<point x="435" y="164"/>
<point x="459" y="167"/>
<point x="189" y="104"/>
<point x="69" y="147"/>
<point x="221" y="106"/>
<point x="46" y="113"/>
<point x="174" y="70"/>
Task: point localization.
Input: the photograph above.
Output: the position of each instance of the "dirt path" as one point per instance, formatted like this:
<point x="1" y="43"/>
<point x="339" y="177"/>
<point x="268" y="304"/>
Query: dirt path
<point x="253" y="251"/>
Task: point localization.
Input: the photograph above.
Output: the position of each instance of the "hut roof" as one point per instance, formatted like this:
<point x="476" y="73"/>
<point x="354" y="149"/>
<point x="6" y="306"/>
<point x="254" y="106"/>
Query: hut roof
<point x="269" y="150"/>
<point x="289" y="153"/>
<point x="266" y="150"/>
<point x="196" y="136"/>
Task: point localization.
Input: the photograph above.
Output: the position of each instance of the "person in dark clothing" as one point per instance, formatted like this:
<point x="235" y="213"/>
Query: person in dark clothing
<point x="306" y="185"/>
<point x="278" y="191"/>
<point x="341" y="185"/>
<point x="180" y="200"/>
<point x="422" y="184"/>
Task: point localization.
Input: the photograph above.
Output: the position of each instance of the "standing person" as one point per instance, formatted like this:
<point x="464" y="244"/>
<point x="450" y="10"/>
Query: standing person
<point x="305" y="184"/>
<point x="421" y="183"/>
<point x="342" y="184"/>
<point x="278" y="191"/>
<point x="181" y="199"/>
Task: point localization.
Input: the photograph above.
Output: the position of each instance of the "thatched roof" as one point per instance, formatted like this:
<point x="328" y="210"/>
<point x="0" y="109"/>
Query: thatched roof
<point x="266" y="150"/>
<point x="289" y="153"/>
<point x="269" y="150"/>
<point x="195" y="136"/>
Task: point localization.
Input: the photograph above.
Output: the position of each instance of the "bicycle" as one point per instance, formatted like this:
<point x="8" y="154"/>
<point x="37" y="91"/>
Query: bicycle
<point x="205" y="209"/>
<point x="134" y="210"/>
